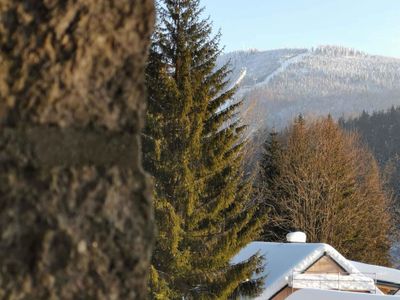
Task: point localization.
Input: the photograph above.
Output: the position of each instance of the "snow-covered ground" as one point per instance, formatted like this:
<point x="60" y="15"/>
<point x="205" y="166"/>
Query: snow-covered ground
<point x="242" y="75"/>
<point x="284" y="65"/>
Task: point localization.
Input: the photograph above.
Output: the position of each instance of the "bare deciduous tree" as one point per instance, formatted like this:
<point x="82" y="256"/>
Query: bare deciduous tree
<point x="329" y="186"/>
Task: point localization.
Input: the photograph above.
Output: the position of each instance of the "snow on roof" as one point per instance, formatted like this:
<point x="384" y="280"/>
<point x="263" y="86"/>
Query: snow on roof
<point x="378" y="272"/>
<point x="308" y="294"/>
<point x="331" y="281"/>
<point x="283" y="259"/>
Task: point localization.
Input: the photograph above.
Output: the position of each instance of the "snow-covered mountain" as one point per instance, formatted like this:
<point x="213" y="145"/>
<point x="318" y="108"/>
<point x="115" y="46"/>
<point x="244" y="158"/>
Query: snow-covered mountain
<point x="277" y="85"/>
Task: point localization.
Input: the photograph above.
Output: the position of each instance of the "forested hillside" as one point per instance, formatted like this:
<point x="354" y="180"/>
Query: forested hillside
<point x="278" y="85"/>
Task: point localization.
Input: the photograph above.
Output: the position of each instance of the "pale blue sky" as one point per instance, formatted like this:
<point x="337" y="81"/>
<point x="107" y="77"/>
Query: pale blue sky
<point x="372" y="26"/>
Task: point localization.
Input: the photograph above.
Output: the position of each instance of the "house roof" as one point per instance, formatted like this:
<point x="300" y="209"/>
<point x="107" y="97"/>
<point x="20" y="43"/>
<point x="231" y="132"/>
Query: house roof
<point x="281" y="260"/>
<point x="308" y="294"/>
<point x="379" y="273"/>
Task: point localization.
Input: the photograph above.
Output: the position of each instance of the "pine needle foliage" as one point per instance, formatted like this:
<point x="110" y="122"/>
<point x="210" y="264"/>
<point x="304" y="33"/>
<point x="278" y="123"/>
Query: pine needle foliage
<point x="193" y="149"/>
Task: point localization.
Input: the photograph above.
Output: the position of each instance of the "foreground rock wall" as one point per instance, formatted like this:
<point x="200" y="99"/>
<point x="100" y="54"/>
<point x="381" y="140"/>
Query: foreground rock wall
<point x="75" y="214"/>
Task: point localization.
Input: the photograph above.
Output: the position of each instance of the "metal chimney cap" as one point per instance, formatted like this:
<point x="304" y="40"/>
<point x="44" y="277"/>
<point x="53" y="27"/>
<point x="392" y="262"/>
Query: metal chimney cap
<point x="296" y="237"/>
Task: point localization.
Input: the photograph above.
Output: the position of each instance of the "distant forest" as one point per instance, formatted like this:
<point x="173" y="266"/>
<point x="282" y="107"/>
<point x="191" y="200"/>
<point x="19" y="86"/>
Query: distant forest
<point x="380" y="132"/>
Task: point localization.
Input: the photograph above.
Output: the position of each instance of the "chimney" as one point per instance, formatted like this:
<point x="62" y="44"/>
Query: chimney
<point x="296" y="237"/>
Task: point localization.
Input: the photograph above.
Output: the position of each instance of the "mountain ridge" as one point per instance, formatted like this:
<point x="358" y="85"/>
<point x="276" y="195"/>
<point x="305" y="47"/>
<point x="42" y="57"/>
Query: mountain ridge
<point x="276" y="85"/>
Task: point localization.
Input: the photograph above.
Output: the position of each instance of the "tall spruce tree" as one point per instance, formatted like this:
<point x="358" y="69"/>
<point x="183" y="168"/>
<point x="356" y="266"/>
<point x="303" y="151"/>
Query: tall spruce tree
<point x="270" y="159"/>
<point x="193" y="149"/>
<point x="267" y="188"/>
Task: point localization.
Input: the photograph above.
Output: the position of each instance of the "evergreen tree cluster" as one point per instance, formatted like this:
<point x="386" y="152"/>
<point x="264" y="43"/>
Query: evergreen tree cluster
<point x="193" y="149"/>
<point x="380" y="131"/>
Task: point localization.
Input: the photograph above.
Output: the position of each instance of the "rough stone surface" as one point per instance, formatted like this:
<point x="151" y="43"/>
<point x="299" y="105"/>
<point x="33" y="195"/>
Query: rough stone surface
<point x="75" y="219"/>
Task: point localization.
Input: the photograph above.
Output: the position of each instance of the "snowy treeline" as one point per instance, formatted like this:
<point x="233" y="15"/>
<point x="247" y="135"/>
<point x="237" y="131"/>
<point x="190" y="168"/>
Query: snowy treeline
<point x="337" y="51"/>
